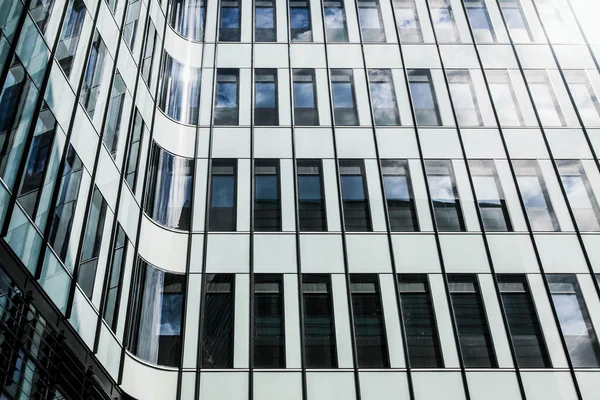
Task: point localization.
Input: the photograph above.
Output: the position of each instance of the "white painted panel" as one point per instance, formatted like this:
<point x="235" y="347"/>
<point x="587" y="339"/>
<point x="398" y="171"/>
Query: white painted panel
<point x="444" y="323"/>
<point x="560" y="253"/>
<point x="293" y="351"/>
<point x="241" y="333"/>
<point x="494" y="318"/>
<point x="493" y="386"/>
<point x="224" y="385"/>
<point x="227" y="253"/>
<point x="397" y="143"/>
<point x="512" y="254"/>
<point x="145" y="382"/>
<point x="438" y="385"/>
<point x="415" y="254"/>
<point x="454" y="248"/>
<point x="277" y="385"/>
<point x="383" y="386"/>
<point x="275" y="253"/>
<point x="321" y="254"/>
<point x="548" y="386"/>
<point x="330" y="386"/>
<point x="173" y="136"/>
<point x="392" y="321"/>
<point x="343" y="337"/>
<point x="368" y="253"/>
<point x="164" y="248"/>
<point x="231" y="142"/>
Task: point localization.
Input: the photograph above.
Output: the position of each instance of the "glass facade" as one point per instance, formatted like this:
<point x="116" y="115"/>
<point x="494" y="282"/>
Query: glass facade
<point x="304" y="200"/>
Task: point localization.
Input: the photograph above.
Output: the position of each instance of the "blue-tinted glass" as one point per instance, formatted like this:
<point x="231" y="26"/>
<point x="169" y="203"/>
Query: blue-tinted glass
<point x="226" y="94"/>
<point x="421" y="95"/>
<point x="265" y="95"/>
<point x="170" y="316"/>
<point x="352" y="188"/>
<point x="396" y="187"/>
<point x="304" y="95"/>
<point x="230" y="17"/>
<point x="309" y="187"/>
<point x="265" y="17"/>
<point x="299" y="18"/>
<point x="266" y="187"/>
<point x="334" y="18"/>
<point x="478" y="18"/>
<point x="223" y="191"/>
<point x="342" y="95"/>
<point x="382" y="95"/>
<point x="369" y="18"/>
<point x="514" y="18"/>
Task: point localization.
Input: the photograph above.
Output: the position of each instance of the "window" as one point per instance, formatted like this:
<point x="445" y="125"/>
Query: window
<point x="369" y="328"/>
<point x="423" y="97"/>
<point x="399" y="196"/>
<point x="383" y="98"/>
<point x="516" y="22"/>
<point x="335" y="21"/>
<point x="40" y="11"/>
<point x="92" y="241"/>
<point x="371" y="24"/>
<point x="344" y="107"/>
<point x="132" y="18"/>
<point x="473" y="331"/>
<point x="187" y="18"/>
<point x="265" y="29"/>
<point x="180" y="91"/>
<point x="226" y="105"/>
<point x="148" y="55"/>
<point x="69" y="38"/>
<point x="319" y="328"/>
<point x="115" y="113"/>
<point x="62" y="221"/>
<point x="38" y="162"/>
<point x="223" y="210"/>
<point x="524" y="326"/>
<point x="229" y="27"/>
<point x="113" y="289"/>
<point x="582" y="201"/>
<point x="269" y="335"/>
<point x="157" y="313"/>
<point x="463" y="97"/>
<point x="300" y="24"/>
<point x="357" y="215"/>
<point x="169" y="190"/>
<point x="443" y="21"/>
<point x="216" y="345"/>
<point x="422" y="339"/>
<point x="584" y="96"/>
<point x="311" y="201"/>
<point x="533" y="191"/>
<point x="133" y="150"/>
<point x="93" y="75"/>
<point x="407" y="20"/>
<point x="574" y="320"/>
<point x="267" y="204"/>
<point x="480" y="21"/>
<point x="490" y="197"/>
<point x="112" y="4"/>
<point x="444" y="196"/>
<point x="265" y="101"/>
<point x="504" y="98"/>
<point x="552" y="16"/>
<point x="544" y="98"/>
<point x="305" y="99"/>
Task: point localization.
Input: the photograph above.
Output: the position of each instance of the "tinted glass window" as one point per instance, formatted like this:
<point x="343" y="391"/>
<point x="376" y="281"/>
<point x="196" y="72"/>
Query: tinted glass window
<point x="490" y="197"/>
<point x="133" y="151"/>
<point x="443" y="21"/>
<point x="226" y="104"/>
<point x="319" y="329"/>
<point x="131" y="22"/>
<point x="480" y="21"/>
<point x="371" y="25"/>
<point x="187" y="18"/>
<point x="581" y="199"/>
<point x="463" y="97"/>
<point x="383" y="98"/>
<point x="112" y="128"/>
<point x="342" y="86"/>
<point x="407" y="21"/>
<point x="300" y="24"/>
<point x="515" y="20"/>
<point x="398" y="195"/>
<point x="265" y="29"/>
<point x="504" y="98"/>
<point x="93" y="75"/>
<point x="311" y="202"/>
<point x="544" y="98"/>
<point x="218" y="322"/>
<point x="180" y="92"/>
<point x="229" y="26"/>
<point x="423" y="97"/>
<point x="335" y="21"/>
<point x="222" y="214"/>
<point x="444" y="196"/>
<point x="305" y="103"/>
<point x="533" y="192"/>
<point x="113" y="289"/>
<point x="584" y="96"/>
<point x="267" y="206"/>
<point x="269" y="337"/>
<point x="69" y="37"/>
<point x="148" y="57"/>
<point x="357" y="215"/>
<point x="265" y="103"/>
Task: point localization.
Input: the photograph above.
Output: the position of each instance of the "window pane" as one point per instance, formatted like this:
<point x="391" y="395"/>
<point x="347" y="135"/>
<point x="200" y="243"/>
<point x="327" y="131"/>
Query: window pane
<point x="157" y="315"/>
<point x="180" y="91"/>
<point x="265" y="30"/>
<point x="112" y="128"/>
<point x="473" y="331"/>
<point x="490" y="197"/>
<point x="504" y="99"/>
<point x="187" y="18"/>
<point x="371" y="25"/>
<point x="515" y="20"/>
<point x="218" y="324"/>
<point x="300" y="23"/>
<point x="480" y="21"/>
<point x="133" y="156"/>
<point x="226" y="104"/>
<point x="343" y="97"/>
<point x="311" y="202"/>
<point x="356" y="206"/>
<point x="533" y="191"/>
<point x="581" y="199"/>
<point x="319" y="329"/>
<point x="383" y="98"/>
<point x="69" y="38"/>
<point x="544" y="98"/>
<point x="442" y="188"/>
<point x="369" y="330"/>
<point x="267" y="206"/>
<point x="305" y="103"/>
<point x="265" y="108"/>
<point x="131" y="22"/>
<point x="223" y="210"/>
<point x="463" y="98"/>
<point x="407" y="20"/>
<point x="423" y="97"/>
<point x="443" y="21"/>
<point x="269" y="338"/>
<point x="419" y="322"/>
<point x="584" y="96"/>
<point x="229" y="27"/>
<point x="169" y="190"/>
<point x="398" y="194"/>
<point x="113" y="290"/>
<point x="93" y="75"/>
<point x="574" y="321"/>
<point x="335" y="21"/>
<point x="525" y="330"/>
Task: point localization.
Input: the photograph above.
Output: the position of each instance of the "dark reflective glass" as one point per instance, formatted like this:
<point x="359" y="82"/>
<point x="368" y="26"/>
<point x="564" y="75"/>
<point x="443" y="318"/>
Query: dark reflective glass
<point x="222" y="214"/>
<point x="265" y="102"/>
<point x="112" y="294"/>
<point x="305" y="101"/>
<point x="157" y="314"/>
<point x="444" y="196"/>
<point x="180" y="92"/>
<point x="311" y="202"/>
<point x="69" y="37"/>
<point x="148" y="56"/>
<point x="423" y="98"/>
<point x="229" y="27"/>
<point x="490" y="197"/>
<point x="226" y="104"/>
<point x="398" y="195"/>
<point x="92" y="241"/>
<point x="169" y="190"/>
<point x="532" y="188"/>
<point x="216" y="345"/>
<point x="300" y="24"/>
<point x="269" y="335"/>
<point x="112" y="127"/>
<point x="40" y="11"/>
<point x="342" y="86"/>
<point x="132" y="17"/>
<point x="383" y="98"/>
<point x="525" y="329"/>
<point x="335" y="21"/>
<point x="319" y="329"/>
<point x="357" y="215"/>
<point x="369" y="330"/>
<point x="93" y="74"/>
<point x="473" y="331"/>
<point x="267" y="205"/>
<point x="265" y="22"/>
<point x="133" y="150"/>
<point x="419" y="322"/>
<point x="187" y="18"/>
